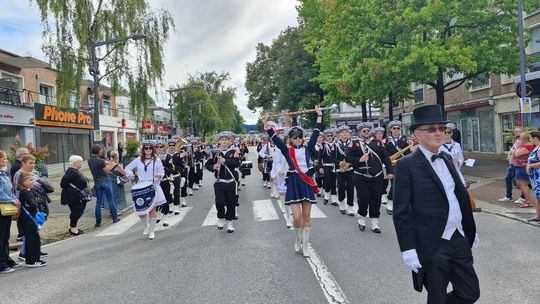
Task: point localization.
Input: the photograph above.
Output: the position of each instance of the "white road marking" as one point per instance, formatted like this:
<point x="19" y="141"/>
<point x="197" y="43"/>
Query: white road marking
<point x="316" y="212"/>
<point x="263" y="210"/>
<point x="121" y="227"/>
<point x="329" y="285"/>
<point x="211" y="218"/>
<point x="174" y="219"/>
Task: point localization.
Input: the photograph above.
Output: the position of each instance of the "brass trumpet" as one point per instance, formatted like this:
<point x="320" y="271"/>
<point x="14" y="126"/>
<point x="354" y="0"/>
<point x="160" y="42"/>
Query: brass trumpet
<point x="332" y="107"/>
<point x="396" y="155"/>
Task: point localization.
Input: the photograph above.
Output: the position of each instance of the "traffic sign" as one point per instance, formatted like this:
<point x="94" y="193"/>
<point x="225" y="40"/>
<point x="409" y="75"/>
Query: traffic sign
<point x="525" y="105"/>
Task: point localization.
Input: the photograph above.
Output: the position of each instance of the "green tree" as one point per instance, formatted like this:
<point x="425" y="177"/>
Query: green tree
<point x="70" y="25"/>
<point x="281" y="77"/>
<point x="383" y="46"/>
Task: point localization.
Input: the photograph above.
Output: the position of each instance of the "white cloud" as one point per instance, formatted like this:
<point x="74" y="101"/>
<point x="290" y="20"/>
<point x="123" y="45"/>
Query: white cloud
<point x="212" y="35"/>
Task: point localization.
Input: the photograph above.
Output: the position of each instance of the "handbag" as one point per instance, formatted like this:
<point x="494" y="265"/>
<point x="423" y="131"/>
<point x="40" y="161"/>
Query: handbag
<point x="9" y="209"/>
<point x="86" y="193"/>
<point x="121" y="180"/>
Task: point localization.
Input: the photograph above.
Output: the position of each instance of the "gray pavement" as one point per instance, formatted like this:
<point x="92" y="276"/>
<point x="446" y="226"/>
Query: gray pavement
<point x="190" y="263"/>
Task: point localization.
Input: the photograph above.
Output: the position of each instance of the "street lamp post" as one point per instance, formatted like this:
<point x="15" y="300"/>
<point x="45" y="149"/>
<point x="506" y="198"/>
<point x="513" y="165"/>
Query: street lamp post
<point x="523" y="84"/>
<point x="191" y="115"/>
<point x="94" y="70"/>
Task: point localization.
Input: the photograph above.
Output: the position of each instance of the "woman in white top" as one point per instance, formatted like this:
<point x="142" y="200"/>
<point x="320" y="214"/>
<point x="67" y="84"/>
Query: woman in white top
<point x="451" y="147"/>
<point x="148" y="167"/>
<point x="278" y="174"/>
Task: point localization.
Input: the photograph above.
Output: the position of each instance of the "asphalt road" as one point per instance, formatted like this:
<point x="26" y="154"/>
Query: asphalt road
<point x="191" y="263"/>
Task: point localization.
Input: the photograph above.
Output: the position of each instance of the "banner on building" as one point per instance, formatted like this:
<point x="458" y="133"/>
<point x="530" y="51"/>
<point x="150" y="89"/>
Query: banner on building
<point x="52" y="116"/>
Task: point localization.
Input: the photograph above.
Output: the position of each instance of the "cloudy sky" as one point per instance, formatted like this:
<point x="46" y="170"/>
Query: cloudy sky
<point x="211" y="35"/>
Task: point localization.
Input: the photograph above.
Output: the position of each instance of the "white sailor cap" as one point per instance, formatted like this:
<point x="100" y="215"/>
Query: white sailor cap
<point x="343" y="128"/>
<point x="377" y="129"/>
<point x="394" y="123"/>
<point x="148" y="142"/>
<point x="224" y="134"/>
<point x="364" y="125"/>
<point x="295" y="131"/>
<point x="329" y="131"/>
<point x="450" y="126"/>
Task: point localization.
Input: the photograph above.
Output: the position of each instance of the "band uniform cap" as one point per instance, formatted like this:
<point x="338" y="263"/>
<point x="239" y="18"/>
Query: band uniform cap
<point x="377" y="129"/>
<point x="223" y="134"/>
<point x="427" y="115"/>
<point x="161" y="143"/>
<point x="329" y="131"/>
<point x="364" y="125"/>
<point x="451" y="126"/>
<point x="148" y="142"/>
<point x="295" y="129"/>
<point x="394" y="123"/>
<point x="343" y="128"/>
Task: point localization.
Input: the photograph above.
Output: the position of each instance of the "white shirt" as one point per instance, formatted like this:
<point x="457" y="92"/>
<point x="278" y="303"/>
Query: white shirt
<point x="300" y="154"/>
<point x="454" y="150"/>
<point x="453" y="222"/>
<point x="146" y="170"/>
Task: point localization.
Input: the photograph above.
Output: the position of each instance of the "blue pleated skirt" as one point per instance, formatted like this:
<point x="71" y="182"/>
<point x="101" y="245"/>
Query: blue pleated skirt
<point x="298" y="191"/>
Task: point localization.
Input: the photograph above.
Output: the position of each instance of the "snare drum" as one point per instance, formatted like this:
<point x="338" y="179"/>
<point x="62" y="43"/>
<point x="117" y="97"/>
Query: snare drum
<point x="143" y="195"/>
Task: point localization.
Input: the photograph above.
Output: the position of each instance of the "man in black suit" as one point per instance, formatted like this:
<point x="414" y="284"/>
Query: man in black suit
<point x="433" y="216"/>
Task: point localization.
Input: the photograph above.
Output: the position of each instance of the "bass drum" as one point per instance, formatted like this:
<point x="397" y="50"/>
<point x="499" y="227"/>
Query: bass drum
<point x="143" y="195"/>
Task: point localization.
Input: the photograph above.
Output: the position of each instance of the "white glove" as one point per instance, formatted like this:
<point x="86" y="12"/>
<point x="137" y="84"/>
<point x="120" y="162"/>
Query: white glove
<point x="476" y="242"/>
<point x="410" y="258"/>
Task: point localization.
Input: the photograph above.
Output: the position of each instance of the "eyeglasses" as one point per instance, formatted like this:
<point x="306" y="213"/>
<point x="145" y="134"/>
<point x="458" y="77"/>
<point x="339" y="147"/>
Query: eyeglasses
<point x="160" y="146"/>
<point x="396" y="128"/>
<point x="364" y="130"/>
<point x="148" y="148"/>
<point x="433" y="129"/>
<point x="329" y="135"/>
<point x="172" y="145"/>
<point x="297" y="137"/>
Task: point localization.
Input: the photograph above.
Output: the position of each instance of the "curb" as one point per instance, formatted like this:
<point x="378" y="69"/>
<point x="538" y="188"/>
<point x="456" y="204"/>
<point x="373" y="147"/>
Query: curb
<point x="501" y="211"/>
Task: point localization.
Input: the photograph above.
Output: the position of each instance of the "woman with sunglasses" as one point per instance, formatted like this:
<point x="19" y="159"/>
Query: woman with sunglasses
<point x="330" y="189"/>
<point x="149" y="168"/>
<point x="452" y="147"/>
<point x="301" y="188"/>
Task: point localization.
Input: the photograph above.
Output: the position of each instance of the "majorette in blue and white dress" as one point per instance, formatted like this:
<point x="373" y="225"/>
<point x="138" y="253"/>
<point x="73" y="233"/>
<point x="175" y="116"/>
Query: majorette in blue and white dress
<point x="298" y="191"/>
<point x="146" y="172"/>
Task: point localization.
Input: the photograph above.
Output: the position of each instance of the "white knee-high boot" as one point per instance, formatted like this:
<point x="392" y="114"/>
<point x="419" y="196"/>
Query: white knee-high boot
<point x="342" y="206"/>
<point x="305" y="241"/>
<point x="298" y="241"/>
<point x="334" y="200"/>
<point x="151" y="227"/>
<point x="390" y="207"/>
<point x="375" y="225"/>
<point x="326" y="197"/>
<point x="144" y="221"/>
<point x="287" y="216"/>
<point x="281" y="204"/>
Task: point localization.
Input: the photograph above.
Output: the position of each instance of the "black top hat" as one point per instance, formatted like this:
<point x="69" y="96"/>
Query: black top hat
<point x="427" y="115"/>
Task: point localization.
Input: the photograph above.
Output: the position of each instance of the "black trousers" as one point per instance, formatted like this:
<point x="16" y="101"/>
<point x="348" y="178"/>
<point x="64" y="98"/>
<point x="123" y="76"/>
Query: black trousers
<point x="368" y="193"/>
<point x="166" y="186"/>
<point x="345" y="186"/>
<point x="319" y="179"/>
<point x="266" y="177"/>
<point x="76" y="211"/>
<point x="32" y="242"/>
<point x="5" y="227"/>
<point x="200" y="172"/>
<point x="330" y="181"/>
<point x="225" y="200"/>
<point x="176" y="191"/>
<point x="452" y="263"/>
<point x="191" y="177"/>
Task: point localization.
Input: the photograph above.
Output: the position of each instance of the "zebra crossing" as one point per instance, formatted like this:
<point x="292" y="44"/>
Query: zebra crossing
<point x="262" y="211"/>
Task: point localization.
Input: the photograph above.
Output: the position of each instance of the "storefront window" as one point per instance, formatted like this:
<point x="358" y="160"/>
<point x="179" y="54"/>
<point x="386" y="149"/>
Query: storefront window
<point x="487" y="131"/>
<point x="62" y="146"/>
<point x="7" y="137"/>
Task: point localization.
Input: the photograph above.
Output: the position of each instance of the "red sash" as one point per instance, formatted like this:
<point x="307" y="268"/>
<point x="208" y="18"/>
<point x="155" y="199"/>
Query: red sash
<point x="308" y="180"/>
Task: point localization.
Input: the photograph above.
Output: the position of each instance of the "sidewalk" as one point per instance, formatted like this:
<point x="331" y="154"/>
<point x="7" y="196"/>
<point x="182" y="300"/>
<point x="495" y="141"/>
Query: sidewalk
<point x="488" y="186"/>
<point x="57" y="225"/>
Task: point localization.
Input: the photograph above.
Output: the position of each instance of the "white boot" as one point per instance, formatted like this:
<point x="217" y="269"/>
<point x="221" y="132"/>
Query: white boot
<point x="183" y="202"/>
<point x="334" y="200"/>
<point x="305" y="241"/>
<point x="274" y="190"/>
<point x="236" y="212"/>
<point x="195" y="187"/>
<point x="190" y="191"/>
<point x="326" y="197"/>
<point x="281" y="204"/>
<point x="298" y="240"/>
<point x="375" y="225"/>
<point x="350" y="210"/>
<point x="265" y="184"/>
<point x="342" y="205"/>
<point x="362" y="223"/>
<point x="287" y="215"/>
<point x="159" y="217"/>
<point x="144" y="221"/>
<point x="390" y="207"/>
<point x="165" y="223"/>
<point x="230" y="227"/>
<point x="176" y="208"/>
<point x="151" y="227"/>
<point x="243" y="181"/>
<point x="220" y="224"/>
<point x="384" y="199"/>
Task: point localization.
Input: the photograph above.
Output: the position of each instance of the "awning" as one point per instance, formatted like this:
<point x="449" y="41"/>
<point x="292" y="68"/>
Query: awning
<point x="465" y="105"/>
<point x="24" y="62"/>
<point x="528" y="77"/>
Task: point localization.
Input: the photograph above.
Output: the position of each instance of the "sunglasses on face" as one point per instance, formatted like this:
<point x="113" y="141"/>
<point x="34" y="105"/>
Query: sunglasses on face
<point x="297" y="137"/>
<point x="148" y="148"/>
<point x="396" y="128"/>
<point x="448" y="132"/>
<point x="434" y="129"/>
<point x="160" y="146"/>
<point x="172" y="145"/>
<point x="364" y="130"/>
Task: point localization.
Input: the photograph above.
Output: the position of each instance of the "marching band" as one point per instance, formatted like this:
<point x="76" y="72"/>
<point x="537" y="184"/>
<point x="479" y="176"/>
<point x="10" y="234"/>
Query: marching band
<point x="348" y="170"/>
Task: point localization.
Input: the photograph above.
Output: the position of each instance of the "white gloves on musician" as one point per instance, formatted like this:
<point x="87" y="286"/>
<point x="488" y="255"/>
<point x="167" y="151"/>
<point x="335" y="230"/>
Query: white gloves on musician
<point x="410" y="258"/>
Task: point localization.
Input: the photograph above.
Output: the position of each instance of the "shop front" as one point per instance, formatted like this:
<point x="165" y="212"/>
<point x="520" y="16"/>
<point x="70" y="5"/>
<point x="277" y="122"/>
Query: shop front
<point x="15" y="121"/>
<point x="476" y="122"/>
<point x="66" y="132"/>
<point x="115" y="130"/>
